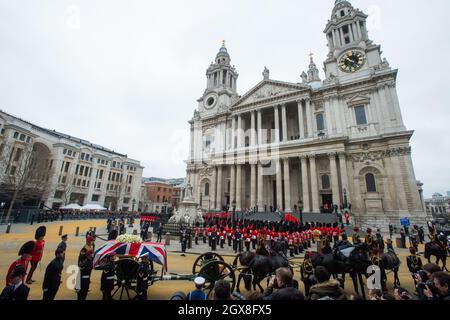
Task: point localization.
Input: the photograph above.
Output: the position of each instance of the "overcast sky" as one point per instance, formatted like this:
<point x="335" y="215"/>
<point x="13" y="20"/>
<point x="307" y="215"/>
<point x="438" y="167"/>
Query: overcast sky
<point x="127" y="74"/>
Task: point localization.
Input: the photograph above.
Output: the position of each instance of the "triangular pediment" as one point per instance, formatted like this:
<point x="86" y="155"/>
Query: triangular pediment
<point x="358" y="99"/>
<point x="269" y="89"/>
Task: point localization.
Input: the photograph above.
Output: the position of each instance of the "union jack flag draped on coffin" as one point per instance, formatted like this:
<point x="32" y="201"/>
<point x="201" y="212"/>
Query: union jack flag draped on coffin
<point x="156" y="251"/>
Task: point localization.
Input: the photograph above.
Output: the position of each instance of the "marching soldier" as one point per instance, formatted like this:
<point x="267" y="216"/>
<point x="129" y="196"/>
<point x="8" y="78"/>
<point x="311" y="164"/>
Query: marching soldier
<point x="369" y="239"/>
<point x="248" y="240"/>
<point x="196" y="233"/>
<point x="223" y="235"/>
<point x="307" y="273"/>
<point x="183" y="239"/>
<point x="229" y="235"/>
<point x="356" y="237"/>
<point x="36" y="255"/>
<point x="143" y="273"/>
<point x="414" y="262"/>
<point x="107" y="279"/>
<point x="254" y="235"/>
<point x="24" y="260"/>
<point x="52" y="276"/>
<point x="85" y="264"/>
<point x="291" y="245"/>
<point x="209" y="231"/>
<point x="316" y="235"/>
<point x="376" y="261"/>
<point x="238" y="236"/>
<point x="213" y="240"/>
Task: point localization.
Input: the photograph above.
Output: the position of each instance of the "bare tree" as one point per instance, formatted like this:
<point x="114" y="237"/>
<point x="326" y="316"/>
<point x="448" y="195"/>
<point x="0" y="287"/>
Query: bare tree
<point x="66" y="188"/>
<point x="25" y="171"/>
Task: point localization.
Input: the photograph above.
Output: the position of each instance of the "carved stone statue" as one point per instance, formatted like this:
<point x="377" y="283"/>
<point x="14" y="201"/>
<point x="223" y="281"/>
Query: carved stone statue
<point x="266" y="73"/>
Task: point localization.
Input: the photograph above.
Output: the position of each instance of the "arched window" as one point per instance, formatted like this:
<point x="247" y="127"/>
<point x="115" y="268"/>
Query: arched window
<point x="319" y="121"/>
<point x="206" y="189"/>
<point x="325" y="182"/>
<point x="371" y="183"/>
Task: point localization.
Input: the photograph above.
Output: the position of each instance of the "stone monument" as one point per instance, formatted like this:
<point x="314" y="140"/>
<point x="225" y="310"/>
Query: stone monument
<point x="187" y="212"/>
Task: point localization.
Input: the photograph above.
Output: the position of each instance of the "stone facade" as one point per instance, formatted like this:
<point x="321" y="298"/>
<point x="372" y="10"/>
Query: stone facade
<point x="81" y="172"/>
<point x="313" y="144"/>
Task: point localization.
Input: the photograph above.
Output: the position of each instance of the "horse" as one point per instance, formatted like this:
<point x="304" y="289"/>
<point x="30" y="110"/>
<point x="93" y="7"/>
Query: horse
<point x="353" y="260"/>
<point x="439" y="249"/>
<point x="260" y="265"/>
<point x="390" y="261"/>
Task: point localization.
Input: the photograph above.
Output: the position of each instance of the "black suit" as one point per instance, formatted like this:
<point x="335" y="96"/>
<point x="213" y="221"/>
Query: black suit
<point x="52" y="279"/>
<point x="19" y="294"/>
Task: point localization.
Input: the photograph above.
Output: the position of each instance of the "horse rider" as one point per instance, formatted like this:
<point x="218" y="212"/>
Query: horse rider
<point x="414" y="262"/>
<point x="376" y="261"/>
<point x="369" y="241"/>
<point x="307" y="272"/>
<point x="356" y="237"/>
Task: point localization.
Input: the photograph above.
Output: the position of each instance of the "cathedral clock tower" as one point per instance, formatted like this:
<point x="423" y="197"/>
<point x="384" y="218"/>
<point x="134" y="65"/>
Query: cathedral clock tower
<point x="221" y="82"/>
<point x="352" y="54"/>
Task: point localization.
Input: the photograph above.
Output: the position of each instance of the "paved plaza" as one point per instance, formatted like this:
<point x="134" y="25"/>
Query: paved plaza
<point x="10" y="244"/>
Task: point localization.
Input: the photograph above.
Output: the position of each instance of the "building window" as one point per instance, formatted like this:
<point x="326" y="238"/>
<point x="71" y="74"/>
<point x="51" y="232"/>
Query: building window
<point x="360" y="114"/>
<point x="371" y="183"/>
<point x="99" y="185"/>
<point x="206" y="189"/>
<point x="22" y="137"/>
<point x="65" y="151"/>
<point x="28" y="139"/>
<point x="320" y="122"/>
<point x="18" y="154"/>
<point x="70" y="153"/>
<point x="325" y="182"/>
<point x="95" y="197"/>
<point x="157" y="199"/>
<point x="12" y="171"/>
<point x="16" y="134"/>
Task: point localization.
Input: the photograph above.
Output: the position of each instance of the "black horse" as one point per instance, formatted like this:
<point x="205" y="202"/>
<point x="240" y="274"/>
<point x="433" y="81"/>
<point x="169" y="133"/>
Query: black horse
<point x="439" y="249"/>
<point x="258" y="266"/>
<point x="390" y="261"/>
<point x="352" y="260"/>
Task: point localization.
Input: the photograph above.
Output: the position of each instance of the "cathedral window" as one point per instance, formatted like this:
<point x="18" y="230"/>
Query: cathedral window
<point x="320" y="122"/>
<point x="224" y="80"/>
<point x="371" y="183"/>
<point x="325" y="182"/>
<point x="342" y="13"/>
<point x="360" y="113"/>
<point x="206" y="189"/>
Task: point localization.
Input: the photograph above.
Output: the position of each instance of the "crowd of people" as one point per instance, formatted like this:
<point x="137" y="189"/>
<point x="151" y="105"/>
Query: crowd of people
<point x="286" y="237"/>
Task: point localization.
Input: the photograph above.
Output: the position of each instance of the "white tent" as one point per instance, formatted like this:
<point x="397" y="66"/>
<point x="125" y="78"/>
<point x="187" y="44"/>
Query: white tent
<point x="92" y="206"/>
<point x="72" y="206"/>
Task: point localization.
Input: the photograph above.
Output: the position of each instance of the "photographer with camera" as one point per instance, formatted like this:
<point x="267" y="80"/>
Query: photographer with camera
<point x="439" y="288"/>
<point x="424" y="283"/>
<point x="283" y="282"/>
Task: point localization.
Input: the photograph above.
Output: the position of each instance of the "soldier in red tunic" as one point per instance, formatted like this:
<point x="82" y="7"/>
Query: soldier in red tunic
<point x="254" y="234"/>
<point x="37" y="253"/>
<point x="196" y="234"/>
<point x="223" y="235"/>
<point x="24" y="260"/>
<point x="248" y="239"/>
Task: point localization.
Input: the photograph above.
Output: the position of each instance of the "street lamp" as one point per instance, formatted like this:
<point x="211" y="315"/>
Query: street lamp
<point x="300" y="208"/>
<point x="233" y="204"/>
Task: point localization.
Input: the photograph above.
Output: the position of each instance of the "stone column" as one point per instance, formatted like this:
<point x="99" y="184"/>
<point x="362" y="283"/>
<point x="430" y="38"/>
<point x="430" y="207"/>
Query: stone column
<point x="279" y="186"/>
<point x="239" y="132"/>
<point x="350" y="32"/>
<point x="287" y="186"/>
<point x="334" y="179"/>
<point x="300" y="119"/>
<point x="253" y="185"/>
<point x="342" y="36"/>
<point x="314" y="187"/>
<point x="277" y="124"/>
<point x="344" y="175"/>
<point x="260" y="188"/>
<point x="232" y="183"/>
<point x="284" y="122"/>
<point x="238" y="187"/>
<point x="233" y="132"/>
<point x="192" y="143"/>
<point x="305" y="186"/>
<point x="252" y="130"/>
<point x="260" y="131"/>
<point x="392" y="92"/>
<point x="219" y="197"/>
<point x="309" y="118"/>
<point x="213" y="190"/>
<point x="328" y="116"/>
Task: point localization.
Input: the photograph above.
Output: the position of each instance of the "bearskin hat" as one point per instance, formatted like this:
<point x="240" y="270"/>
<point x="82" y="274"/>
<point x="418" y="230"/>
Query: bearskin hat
<point x="19" y="271"/>
<point x="356" y="229"/>
<point x="40" y="232"/>
<point x="27" y="248"/>
<point x="369" y="230"/>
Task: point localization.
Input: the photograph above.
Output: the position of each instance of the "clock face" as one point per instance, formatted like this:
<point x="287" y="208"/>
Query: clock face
<point x="210" y="101"/>
<point x="352" y="61"/>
